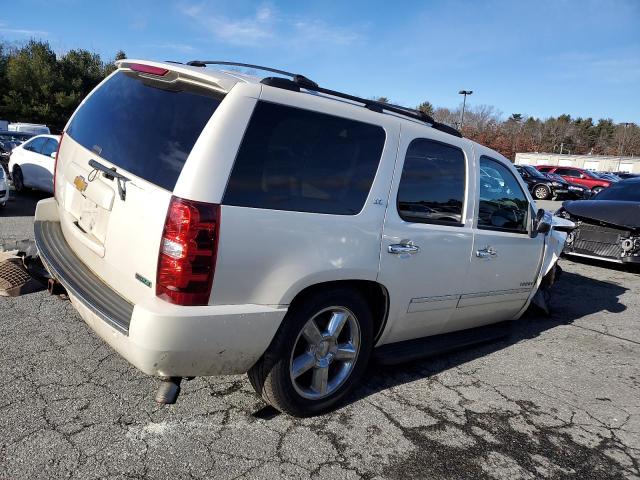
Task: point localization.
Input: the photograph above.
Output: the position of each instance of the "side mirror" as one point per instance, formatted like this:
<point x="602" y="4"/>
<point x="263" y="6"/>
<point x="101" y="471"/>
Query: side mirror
<point x="542" y="222"/>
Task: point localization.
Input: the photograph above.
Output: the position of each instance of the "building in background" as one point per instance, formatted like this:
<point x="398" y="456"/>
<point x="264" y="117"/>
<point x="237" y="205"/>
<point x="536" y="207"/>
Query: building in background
<point x="600" y="163"/>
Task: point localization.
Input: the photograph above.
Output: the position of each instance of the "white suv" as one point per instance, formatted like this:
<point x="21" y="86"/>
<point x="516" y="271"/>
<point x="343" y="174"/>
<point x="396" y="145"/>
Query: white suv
<point x="207" y="222"/>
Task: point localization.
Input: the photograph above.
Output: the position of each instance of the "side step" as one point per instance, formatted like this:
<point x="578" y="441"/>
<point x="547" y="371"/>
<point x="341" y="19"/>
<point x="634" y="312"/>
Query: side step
<point x="420" y="348"/>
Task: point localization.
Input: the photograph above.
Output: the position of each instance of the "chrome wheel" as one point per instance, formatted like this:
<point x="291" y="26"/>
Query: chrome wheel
<point x="325" y="353"/>
<point x="541" y="193"/>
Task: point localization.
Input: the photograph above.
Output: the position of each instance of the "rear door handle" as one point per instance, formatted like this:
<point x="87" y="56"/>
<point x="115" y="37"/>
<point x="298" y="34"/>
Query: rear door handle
<point x="487" y="252"/>
<point x="403" y="248"/>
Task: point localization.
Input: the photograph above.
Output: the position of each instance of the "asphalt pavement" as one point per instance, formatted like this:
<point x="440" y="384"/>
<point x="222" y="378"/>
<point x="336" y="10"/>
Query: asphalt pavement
<point x="557" y="397"/>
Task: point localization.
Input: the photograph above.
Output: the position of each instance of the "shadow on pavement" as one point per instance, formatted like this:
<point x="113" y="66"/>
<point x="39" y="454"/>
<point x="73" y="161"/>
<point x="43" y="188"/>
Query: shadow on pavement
<point x="22" y="204"/>
<point x="573" y="296"/>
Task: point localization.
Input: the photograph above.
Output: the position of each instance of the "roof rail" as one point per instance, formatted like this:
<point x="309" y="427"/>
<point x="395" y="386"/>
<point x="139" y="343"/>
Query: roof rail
<point x="300" y="81"/>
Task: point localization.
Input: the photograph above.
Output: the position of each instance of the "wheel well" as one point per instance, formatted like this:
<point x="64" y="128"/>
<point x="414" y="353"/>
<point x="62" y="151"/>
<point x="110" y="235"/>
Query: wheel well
<point x="375" y="294"/>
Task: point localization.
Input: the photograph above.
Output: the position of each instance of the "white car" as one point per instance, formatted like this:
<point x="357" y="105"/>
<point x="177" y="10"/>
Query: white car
<point x="4" y="188"/>
<point x="32" y="163"/>
<point x="207" y="222"/>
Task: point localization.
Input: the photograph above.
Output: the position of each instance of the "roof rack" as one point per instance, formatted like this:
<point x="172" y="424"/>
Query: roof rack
<point x="300" y="81"/>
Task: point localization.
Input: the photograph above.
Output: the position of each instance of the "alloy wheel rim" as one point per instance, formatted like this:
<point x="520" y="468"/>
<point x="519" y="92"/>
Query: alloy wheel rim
<point x="325" y="353"/>
<point x="541" y="192"/>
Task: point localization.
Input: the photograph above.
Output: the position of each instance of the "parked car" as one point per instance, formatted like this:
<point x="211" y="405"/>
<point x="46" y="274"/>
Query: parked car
<point x="574" y="191"/>
<point x="625" y="175"/>
<point x="32" y="163"/>
<point x="8" y="141"/>
<point x="608" y="176"/>
<point x="579" y="176"/>
<point x="208" y="223"/>
<point x="32" y="128"/>
<point x="608" y="226"/>
<point x="4" y="188"/>
<point x="541" y="187"/>
<point x="18" y="137"/>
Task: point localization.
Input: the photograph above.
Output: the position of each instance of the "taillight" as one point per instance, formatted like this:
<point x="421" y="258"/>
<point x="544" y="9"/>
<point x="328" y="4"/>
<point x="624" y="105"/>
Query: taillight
<point x="188" y="251"/>
<point x="139" y="67"/>
<point x="55" y="164"/>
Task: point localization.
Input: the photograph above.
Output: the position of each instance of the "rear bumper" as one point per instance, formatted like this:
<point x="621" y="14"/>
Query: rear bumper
<point x="157" y="337"/>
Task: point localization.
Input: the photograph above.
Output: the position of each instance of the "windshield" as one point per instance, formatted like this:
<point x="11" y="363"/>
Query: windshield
<point x="532" y="171"/>
<point x="144" y="126"/>
<point x="623" y="191"/>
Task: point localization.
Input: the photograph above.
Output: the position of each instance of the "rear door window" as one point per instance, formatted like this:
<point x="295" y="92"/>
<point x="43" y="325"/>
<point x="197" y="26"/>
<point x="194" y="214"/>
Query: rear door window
<point x="299" y="160"/>
<point x="432" y="185"/>
<point x="144" y="126"/>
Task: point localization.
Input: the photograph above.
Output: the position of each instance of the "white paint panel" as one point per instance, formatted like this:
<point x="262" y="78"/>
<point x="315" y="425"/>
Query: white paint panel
<point x="566" y="163"/>
<point x="626" y="167"/>
<point x="591" y="165"/>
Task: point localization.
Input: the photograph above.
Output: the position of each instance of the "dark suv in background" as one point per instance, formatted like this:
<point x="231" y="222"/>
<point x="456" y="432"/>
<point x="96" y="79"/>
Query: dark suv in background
<point x="541" y="187"/>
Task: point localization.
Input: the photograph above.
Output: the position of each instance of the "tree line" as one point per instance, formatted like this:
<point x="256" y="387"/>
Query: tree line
<point x="520" y="133"/>
<point x="39" y="86"/>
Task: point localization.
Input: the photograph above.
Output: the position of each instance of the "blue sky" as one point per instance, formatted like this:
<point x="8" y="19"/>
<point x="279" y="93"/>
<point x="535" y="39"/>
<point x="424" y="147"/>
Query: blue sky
<point x="537" y="58"/>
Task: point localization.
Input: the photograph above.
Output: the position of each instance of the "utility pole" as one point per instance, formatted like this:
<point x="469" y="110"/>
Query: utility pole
<point x="624" y="137"/>
<point x="464" y="102"/>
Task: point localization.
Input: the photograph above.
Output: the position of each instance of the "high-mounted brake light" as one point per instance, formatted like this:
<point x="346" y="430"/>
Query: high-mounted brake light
<point x="188" y="251"/>
<point x="138" y="67"/>
<point x="55" y="164"/>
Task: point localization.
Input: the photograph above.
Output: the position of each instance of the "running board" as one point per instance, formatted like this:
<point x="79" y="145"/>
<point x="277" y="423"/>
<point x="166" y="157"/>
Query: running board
<point x="420" y="348"/>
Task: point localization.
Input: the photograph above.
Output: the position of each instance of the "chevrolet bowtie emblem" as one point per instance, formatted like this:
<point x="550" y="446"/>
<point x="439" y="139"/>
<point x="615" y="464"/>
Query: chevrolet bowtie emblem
<point x="80" y="183"/>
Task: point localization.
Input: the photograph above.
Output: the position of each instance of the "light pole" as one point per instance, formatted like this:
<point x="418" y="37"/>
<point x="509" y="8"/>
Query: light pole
<point x="464" y="102"/>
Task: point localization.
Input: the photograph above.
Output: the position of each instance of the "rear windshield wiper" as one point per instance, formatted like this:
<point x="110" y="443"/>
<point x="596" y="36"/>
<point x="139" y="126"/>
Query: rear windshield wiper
<point x="110" y="173"/>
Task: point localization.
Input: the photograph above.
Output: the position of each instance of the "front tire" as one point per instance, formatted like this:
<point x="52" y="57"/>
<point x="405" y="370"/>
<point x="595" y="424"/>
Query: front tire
<point x="541" y="192"/>
<point x="319" y="353"/>
<point x="18" y="179"/>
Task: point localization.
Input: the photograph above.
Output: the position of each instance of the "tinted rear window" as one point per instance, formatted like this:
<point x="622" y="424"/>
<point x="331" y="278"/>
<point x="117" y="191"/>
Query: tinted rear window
<point x="144" y="126"/>
<point x="294" y="159"/>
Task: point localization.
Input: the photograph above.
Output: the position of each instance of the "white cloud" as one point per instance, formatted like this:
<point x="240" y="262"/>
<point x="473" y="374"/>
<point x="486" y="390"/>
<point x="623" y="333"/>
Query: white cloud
<point x="267" y="27"/>
<point x="23" y="32"/>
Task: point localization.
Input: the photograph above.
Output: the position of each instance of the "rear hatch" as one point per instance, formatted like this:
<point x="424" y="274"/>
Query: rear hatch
<point x="141" y="123"/>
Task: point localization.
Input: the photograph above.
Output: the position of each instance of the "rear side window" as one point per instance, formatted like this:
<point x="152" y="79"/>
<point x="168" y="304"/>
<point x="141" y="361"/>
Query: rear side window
<point x="432" y="184"/>
<point x="49" y="147"/>
<point x="569" y="172"/>
<point x="144" y="126"/>
<point x="35" y="145"/>
<point x="298" y="160"/>
<point x="502" y="204"/>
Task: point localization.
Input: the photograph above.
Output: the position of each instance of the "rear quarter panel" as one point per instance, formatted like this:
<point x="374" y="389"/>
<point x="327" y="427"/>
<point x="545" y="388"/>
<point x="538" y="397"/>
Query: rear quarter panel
<point x="268" y="256"/>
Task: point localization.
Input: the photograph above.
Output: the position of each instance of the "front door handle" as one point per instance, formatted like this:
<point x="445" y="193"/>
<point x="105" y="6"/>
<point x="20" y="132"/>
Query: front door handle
<point x="401" y="248"/>
<point x="487" y="252"/>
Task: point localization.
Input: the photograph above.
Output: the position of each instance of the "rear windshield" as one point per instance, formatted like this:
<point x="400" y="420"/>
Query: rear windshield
<point x="144" y="126"/>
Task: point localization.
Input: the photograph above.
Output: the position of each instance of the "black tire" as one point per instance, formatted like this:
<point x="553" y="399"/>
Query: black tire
<point x="18" y="179"/>
<point x="541" y="192"/>
<point x="270" y="376"/>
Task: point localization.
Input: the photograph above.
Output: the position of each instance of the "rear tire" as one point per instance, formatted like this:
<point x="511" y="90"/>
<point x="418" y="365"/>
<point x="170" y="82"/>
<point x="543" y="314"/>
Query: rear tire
<point x="18" y="179"/>
<point x="541" y="192"/>
<point x="305" y="378"/>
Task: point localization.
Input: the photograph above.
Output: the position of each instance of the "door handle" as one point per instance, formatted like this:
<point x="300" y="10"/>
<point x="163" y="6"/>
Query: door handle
<point x="400" y="248"/>
<point x="487" y="252"/>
